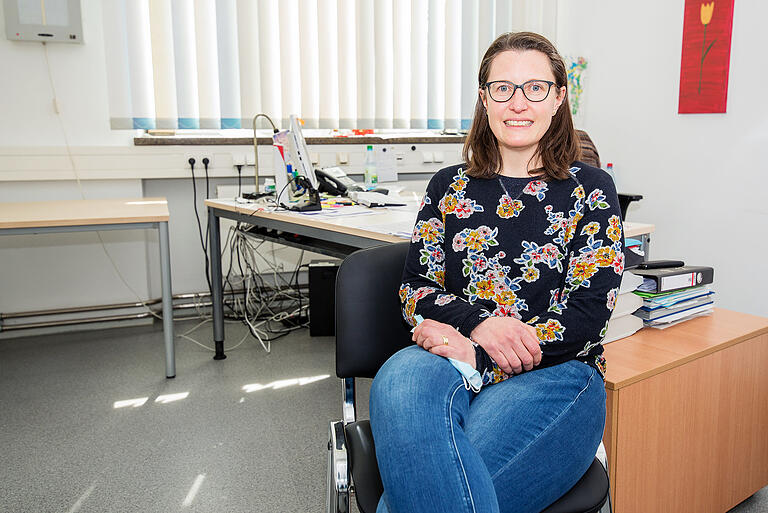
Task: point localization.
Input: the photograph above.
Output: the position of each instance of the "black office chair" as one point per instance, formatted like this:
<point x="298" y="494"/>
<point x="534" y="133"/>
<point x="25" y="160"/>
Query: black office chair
<point x="369" y="329"/>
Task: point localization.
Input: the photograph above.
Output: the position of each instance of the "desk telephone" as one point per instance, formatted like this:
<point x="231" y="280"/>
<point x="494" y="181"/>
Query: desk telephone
<point x="334" y="180"/>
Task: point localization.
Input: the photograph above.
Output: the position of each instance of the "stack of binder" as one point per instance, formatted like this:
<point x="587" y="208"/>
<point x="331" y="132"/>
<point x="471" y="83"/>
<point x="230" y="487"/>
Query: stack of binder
<point x="674" y="295"/>
<point x="622" y="323"/>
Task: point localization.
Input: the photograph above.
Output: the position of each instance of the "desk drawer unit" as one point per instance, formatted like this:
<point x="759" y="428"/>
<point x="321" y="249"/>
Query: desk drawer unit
<point x="687" y="415"/>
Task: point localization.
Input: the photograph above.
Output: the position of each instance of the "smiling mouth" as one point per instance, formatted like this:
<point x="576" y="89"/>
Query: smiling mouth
<point x="512" y="122"/>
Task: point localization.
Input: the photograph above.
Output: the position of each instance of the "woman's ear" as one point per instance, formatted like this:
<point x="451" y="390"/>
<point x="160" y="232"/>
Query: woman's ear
<point x="481" y="93"/>
<point x="560" y="98"/>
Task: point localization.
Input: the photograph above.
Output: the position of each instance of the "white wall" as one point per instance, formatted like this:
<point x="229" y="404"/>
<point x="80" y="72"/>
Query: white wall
<point x="71" y="269"/>
<point x="52" y="271"/>
<point x="703" y="176"/>
<point x="700" y="174"/>
<point x="79" y="76"/>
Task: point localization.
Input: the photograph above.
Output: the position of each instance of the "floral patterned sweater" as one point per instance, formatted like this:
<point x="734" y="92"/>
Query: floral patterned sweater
<point x="549" y="253"/>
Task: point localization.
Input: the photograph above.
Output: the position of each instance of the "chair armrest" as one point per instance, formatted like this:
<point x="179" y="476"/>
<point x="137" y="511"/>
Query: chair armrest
<point x="624" y="200"/>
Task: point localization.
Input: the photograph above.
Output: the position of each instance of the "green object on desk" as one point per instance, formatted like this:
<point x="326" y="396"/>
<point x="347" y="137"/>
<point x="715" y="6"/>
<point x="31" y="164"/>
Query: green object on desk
<point x="660" y="294"/>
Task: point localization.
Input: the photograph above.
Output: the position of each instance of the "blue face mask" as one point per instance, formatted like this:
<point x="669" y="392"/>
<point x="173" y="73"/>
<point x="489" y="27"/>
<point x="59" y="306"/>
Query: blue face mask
<point x="472" y="378"/>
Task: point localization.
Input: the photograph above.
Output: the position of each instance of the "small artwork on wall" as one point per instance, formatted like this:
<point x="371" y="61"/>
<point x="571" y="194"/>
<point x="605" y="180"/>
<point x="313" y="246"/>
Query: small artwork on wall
<point x="576" y="67"/>
<point x="706" y="56"/>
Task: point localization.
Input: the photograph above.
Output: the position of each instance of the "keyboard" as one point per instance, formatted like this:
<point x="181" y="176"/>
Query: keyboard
<point x="374" y="199"/>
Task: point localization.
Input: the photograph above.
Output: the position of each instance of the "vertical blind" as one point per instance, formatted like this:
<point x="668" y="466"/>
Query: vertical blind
<point x="335" y="63"/>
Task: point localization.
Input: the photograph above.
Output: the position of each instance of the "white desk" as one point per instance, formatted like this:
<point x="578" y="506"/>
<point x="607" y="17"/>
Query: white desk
<point x="100" y="215"/>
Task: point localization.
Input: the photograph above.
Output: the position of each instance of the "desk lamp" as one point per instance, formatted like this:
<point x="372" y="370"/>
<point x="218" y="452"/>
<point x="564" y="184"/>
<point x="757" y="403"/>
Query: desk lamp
<point x="256" y="147"/>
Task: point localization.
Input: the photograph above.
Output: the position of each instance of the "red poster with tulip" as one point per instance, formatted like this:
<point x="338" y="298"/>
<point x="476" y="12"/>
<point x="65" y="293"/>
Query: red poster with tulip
<point x="706" y="56"/>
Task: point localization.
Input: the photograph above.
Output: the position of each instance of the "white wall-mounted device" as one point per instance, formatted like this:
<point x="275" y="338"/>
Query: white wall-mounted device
<point x="55" y="21"/>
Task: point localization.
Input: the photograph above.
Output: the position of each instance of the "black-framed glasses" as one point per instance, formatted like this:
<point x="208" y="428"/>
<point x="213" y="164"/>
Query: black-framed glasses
<point x="534" y="90"/>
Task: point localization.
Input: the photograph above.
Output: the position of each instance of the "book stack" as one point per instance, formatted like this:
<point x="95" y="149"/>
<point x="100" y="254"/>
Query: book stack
<point x="622" y="323"/>
<point x="673" y="295"/>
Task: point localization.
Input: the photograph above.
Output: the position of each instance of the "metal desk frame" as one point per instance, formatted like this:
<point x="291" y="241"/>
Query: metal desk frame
<point x="318" y="240"/>
<point x="165" y="270"/>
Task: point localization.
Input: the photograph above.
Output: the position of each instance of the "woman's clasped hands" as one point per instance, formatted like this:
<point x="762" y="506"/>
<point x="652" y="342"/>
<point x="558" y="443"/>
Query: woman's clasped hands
<point x="443" y="340"/>
<point x="512" y="344"/>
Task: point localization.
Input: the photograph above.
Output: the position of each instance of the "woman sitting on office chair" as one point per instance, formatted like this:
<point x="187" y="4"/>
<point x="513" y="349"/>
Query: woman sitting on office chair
<point x="515" y="264"/>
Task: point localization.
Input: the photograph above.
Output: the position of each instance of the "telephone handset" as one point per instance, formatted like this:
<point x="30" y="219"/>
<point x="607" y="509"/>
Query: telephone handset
<point x="334" y="180"/>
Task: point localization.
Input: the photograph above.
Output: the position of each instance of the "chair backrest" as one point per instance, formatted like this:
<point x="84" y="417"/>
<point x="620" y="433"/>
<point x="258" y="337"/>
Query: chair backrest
<point x="369" y="323"/>
<point x="589" y="153"/>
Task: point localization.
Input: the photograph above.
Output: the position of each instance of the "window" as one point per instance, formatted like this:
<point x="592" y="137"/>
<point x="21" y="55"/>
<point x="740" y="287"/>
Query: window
<point x="335" y="63"/>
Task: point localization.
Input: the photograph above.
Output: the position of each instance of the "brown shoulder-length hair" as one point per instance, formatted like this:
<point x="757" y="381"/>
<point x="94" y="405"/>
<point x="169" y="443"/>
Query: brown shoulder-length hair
<point x="558" y="148"/>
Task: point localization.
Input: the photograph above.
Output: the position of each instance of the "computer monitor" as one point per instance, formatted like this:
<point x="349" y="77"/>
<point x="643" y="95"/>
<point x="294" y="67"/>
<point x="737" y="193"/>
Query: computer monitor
<point x="289" y="146"/>
<point x="301" y="157"/>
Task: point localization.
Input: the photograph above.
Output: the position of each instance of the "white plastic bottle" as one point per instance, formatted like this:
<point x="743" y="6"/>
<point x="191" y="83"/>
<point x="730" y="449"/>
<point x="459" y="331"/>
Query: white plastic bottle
<point x="369" y="169"/>
<point x="610" y="171"/>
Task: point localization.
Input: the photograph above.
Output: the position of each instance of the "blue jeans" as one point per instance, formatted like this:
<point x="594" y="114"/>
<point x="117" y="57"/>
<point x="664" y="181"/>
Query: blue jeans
<point x="517" y="446"/>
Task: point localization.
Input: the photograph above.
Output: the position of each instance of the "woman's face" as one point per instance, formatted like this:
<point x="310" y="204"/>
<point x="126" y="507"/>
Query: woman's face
<point x="518" y="123"/>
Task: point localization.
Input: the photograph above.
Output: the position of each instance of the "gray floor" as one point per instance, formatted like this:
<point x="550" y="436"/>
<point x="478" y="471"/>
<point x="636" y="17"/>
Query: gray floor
<point x="64" y="447"/>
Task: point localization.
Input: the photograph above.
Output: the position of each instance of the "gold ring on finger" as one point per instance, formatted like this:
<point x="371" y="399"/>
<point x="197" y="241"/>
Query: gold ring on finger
<point x="445" y="340"/>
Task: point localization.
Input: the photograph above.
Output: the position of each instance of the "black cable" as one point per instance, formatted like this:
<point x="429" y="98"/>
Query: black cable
<point x="251" y="273"/>
<point x="259" y="284"/>
<point x="239" y="180"/>
<point x="238" y="246"/>
<point x="277" y="197"/>
<point x="296" y="277"/>
<point x="207" y="196"/>
<point x="245" y="288"/>
<point x="229" y="272"/>
<point x="207" y="183"/>
<point x="199" y="226"/>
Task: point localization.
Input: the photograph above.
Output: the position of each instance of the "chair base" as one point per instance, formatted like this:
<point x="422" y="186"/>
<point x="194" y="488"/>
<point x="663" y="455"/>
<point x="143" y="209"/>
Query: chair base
<point x="337" y="495"/>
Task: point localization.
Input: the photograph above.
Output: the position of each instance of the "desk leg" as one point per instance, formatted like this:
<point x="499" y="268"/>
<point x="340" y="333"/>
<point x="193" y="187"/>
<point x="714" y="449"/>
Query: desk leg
<point x="214" y="247"/>
<point x="165" y="276"/>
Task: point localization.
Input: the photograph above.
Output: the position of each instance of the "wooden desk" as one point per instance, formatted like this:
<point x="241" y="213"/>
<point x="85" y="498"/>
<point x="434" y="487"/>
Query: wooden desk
<point x="687" y="415"/>
<point x="338" y="236"/>
<point x="349" y="233"/>
<point x="101" y="215"/>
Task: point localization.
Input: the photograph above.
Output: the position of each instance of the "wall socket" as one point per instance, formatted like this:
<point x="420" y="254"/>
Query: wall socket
<point x="198" y="160"/>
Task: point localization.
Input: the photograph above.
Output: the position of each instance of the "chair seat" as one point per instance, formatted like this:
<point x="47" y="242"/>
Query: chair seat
<point x="587" y="496"/>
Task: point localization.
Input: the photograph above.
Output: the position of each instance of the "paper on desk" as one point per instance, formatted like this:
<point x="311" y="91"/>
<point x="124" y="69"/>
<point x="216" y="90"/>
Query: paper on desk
<point x="398" y="229"/>
<point x="410" y="206"/>
<point x="393" y="187"/>
<point x="348" y="211"/>
<point x="665" y="325"/>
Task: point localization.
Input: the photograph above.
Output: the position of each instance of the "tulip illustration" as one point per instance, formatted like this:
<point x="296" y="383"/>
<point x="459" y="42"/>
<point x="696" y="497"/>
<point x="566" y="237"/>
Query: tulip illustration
<point x="706" y="17"/>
